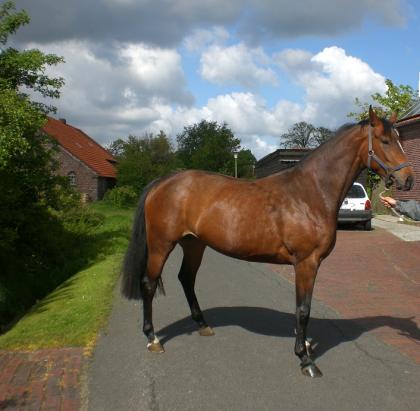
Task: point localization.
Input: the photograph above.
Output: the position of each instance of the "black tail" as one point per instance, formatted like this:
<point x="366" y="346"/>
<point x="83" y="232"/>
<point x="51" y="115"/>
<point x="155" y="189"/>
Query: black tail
<point x="135" y="261"/>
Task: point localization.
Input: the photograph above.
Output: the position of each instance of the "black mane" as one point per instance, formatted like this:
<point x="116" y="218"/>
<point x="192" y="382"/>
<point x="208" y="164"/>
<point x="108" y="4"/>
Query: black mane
<point x="363" y="123"/>
<point x="386" y="124"/>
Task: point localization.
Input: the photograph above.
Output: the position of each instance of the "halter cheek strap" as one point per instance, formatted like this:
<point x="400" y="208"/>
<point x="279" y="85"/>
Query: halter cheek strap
<point x="373" y="156"/>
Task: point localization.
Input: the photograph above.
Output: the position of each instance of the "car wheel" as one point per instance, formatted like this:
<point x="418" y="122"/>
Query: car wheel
<point x="368" y="225"/>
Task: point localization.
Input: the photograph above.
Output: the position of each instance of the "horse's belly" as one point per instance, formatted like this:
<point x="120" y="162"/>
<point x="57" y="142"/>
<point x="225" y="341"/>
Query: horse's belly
<point x="254" y="251"/>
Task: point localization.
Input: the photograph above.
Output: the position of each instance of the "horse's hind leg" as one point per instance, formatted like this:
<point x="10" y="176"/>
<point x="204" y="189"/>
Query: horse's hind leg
<point x="305" y="279"/>
<point x="156" y="260"/>
<point x="193" y="254"/>
<point x="148" y="292"/>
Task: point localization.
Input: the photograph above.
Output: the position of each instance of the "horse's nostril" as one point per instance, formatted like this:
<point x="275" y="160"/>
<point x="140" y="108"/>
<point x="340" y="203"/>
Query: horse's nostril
<point x="409" y="182"/>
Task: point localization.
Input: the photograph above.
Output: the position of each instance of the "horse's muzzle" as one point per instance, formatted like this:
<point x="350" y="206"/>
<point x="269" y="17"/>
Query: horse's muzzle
<point x="404" y="185"/>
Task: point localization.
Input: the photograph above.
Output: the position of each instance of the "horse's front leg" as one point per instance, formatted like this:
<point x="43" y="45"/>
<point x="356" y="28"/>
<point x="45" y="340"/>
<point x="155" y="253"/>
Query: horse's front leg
<point x="305" y="279"/>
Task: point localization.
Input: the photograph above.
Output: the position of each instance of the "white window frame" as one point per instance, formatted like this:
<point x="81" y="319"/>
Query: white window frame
<point x="72" y="178"/>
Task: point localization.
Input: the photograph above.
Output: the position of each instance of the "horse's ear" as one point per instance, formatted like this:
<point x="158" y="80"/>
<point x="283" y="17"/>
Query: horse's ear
<point x="373" y="118"/>
<point x="393" y="117"/>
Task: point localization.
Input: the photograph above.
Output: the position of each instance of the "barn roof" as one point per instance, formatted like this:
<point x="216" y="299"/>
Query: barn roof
<point x="83" y="147"/>
<point x="414" y="110"/>
<point x="291" y="153"/>
<point x="411" y="116"/>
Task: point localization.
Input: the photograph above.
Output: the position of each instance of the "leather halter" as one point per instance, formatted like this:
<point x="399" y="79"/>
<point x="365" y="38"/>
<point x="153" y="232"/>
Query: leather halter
<point x="373" y="156"/>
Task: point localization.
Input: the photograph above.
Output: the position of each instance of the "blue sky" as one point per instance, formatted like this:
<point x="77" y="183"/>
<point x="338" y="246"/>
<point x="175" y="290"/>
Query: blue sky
<point x="136" y="66"/>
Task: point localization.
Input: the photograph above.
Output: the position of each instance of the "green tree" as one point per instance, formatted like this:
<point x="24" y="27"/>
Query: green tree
<point x="396" y="99"/>
<point x="20" y="71"/>
<point x="29" y="188"/>
<point x="116" y="147"/>
<point x="246" y="163"/>
<point x="143" y="159"/>
<point x="26" y="162"/>
<point x="208" y="146"/>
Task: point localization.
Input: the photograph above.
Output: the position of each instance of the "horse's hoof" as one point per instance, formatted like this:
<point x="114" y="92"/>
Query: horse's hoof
<point x="206" y="331"/>
<point x="311" y="370"/>
<point x="155" y="346"/>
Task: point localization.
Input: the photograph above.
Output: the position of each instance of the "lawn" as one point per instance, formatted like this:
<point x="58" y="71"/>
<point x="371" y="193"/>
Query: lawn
<point x="73" y="314"/>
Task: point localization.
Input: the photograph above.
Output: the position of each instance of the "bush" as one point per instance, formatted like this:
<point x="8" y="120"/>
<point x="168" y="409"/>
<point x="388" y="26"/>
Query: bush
<point x="81" y="220"/>
<point x="40" y="260"/>
<point x="52" y="246"/>
<point x="124" y="196"/>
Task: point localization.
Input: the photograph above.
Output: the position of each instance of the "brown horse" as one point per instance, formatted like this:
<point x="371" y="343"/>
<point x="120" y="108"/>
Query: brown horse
<point x="286" y="218"/>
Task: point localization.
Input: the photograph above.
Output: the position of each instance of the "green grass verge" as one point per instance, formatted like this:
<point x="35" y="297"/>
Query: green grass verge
<point x="73" y="313"/>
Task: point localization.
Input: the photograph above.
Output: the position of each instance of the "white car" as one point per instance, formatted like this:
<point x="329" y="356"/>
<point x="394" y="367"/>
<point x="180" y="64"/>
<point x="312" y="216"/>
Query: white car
<point x="356" y="207"/>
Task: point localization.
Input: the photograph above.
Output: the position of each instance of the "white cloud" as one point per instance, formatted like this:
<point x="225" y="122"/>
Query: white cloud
<point x="156" y="71"/>
<point x="136" y="88"/>
<point x="106" y="91"/>
<point x="348" y="73"/>
<point x="237" y="65"/>
<point x="331" y="80"/>
<point x="201" y="38"/>
<point x="263" y="147"/>
<point x="294" y="61"/>
<point x="124" y="74"/>
<point x="247" y="115"/>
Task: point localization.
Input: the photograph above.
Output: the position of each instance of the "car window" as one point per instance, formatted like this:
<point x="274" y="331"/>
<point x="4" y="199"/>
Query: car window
<point x="355" y="192"/>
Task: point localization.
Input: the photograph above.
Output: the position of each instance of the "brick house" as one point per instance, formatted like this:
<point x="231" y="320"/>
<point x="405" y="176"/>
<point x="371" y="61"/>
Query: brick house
<point x="409" y="130"/>
<point x="89" y="167"/>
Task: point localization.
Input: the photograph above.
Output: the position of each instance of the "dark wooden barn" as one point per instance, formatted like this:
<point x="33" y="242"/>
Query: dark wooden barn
<point x="284" y="158"/>
<point x="279" y="160"/>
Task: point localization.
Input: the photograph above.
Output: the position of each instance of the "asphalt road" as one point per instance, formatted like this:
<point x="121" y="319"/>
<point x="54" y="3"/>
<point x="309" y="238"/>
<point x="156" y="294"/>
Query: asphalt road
<point x="249" y="364"/>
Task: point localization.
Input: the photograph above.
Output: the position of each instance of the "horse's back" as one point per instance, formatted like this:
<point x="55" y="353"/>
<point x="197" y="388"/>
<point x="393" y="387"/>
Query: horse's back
<point x="191" y="193"/>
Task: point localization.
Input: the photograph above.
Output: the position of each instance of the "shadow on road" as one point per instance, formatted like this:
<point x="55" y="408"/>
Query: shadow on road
<point x="326" y="333"/>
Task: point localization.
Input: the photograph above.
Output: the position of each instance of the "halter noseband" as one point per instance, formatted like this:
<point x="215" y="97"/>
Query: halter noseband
<point x="373" y="156"/>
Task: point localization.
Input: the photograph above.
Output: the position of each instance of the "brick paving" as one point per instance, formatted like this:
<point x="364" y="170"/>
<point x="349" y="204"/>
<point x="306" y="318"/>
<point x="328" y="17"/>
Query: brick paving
<point x="373" y="278"/>
<point x="41" y="380"/>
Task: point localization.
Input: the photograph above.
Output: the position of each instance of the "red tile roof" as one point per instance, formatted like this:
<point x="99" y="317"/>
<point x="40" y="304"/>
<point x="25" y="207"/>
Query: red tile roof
<point x="80" y="145"/>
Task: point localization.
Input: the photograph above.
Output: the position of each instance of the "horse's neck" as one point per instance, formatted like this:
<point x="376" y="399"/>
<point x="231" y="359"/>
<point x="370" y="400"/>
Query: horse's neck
<point x="335" y="166"/>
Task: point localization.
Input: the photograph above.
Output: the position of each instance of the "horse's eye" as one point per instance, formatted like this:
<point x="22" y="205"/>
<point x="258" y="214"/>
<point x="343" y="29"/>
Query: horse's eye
<point x="385" y="141"/>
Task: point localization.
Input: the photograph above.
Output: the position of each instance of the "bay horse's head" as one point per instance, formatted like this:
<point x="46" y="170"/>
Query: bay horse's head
<point x="385" y="154"/>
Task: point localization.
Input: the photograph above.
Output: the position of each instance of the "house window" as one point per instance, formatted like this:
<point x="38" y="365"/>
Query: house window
<point x="72" y="178"/>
